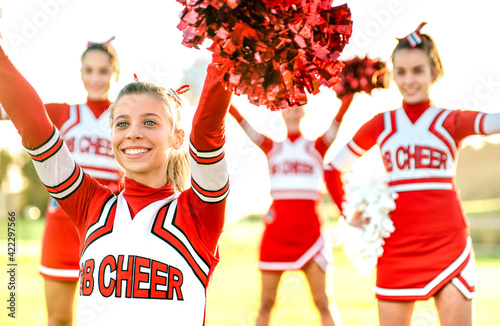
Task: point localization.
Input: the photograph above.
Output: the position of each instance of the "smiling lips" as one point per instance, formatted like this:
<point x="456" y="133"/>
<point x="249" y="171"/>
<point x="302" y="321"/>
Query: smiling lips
<point x="135" y="151"/>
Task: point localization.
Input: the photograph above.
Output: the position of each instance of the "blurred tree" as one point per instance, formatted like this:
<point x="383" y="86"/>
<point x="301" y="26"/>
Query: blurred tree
<point x="34" y="193"/>
<point x="5" y="161"/>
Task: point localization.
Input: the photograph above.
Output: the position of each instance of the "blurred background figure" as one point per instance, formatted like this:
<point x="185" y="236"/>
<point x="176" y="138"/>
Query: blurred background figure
<point x="292" y="238"/>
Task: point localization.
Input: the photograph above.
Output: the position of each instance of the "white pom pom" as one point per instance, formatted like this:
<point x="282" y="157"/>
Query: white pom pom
<point x="369" y="195"/>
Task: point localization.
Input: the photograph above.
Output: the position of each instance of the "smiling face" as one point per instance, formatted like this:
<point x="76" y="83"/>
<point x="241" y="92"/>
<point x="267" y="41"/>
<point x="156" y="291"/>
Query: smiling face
<point x="413" y="74"/>
<point x="143" y="138"/>
<point x="96" y="72"/>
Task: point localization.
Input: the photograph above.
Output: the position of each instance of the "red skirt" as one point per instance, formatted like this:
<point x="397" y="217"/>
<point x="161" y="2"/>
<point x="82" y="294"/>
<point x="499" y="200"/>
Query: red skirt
<point x="292" y="235"/>
<point x="415" y="266"/>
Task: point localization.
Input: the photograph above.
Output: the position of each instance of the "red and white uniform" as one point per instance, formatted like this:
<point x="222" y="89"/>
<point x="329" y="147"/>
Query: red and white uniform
<point x="147" y="254"/>
<point x="86" y="131"/>
<point x="292" y="235"/>
<point x="430" y="246"/>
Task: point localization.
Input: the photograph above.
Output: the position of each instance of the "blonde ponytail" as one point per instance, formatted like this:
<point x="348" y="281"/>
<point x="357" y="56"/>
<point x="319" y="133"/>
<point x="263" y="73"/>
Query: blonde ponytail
<point x="178" y="169"/>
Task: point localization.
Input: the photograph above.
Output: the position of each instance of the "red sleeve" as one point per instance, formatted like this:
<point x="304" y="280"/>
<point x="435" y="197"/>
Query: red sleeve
<point x="58" y="113"/>
<point x="267" y="145"/>
<point x="460" y="124"/>
<point x="366" y="136"/>
<point x="334" y="185"/>
<point x="321" y="146"/>
<point x="209" y="175"/>
<point x="23" y="105"/>
<point x="209" y="119"/>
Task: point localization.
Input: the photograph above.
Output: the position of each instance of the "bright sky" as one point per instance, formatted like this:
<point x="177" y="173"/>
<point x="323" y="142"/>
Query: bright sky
<point x="45" y="39"/>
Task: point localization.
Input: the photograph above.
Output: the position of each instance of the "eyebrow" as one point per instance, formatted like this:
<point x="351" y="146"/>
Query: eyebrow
<point x="124" y="116"/>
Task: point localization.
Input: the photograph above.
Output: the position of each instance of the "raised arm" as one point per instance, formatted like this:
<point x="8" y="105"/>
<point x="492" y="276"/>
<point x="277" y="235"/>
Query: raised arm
<point x="324" y="142"/>
<point x="209" y="174"/>
<point x="61" y="176"/>
<point x="461" y="124"/>
<point x="23" y="105"/>
<point x="259" y="139"/>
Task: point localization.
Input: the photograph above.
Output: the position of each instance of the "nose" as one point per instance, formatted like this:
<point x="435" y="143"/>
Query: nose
<point x="409" y="78"/>
<point x="134" y="131"/>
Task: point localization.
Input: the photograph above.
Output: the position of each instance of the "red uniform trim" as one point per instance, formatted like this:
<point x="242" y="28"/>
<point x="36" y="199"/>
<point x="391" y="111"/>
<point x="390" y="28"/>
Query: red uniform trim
<point x="353" y="150"/>
<point x="433" y="130"/>
<point x="210" y="193"/>
<point x="481" y="125"/>
<point x="394" y="127"/>
<point x="207" y="160"/>
<point x="49" y="152"/>
<point x="77" y="119"/>
<point x="107" y="226"/>
<point x="66" y="184"/>
<point x="178" y="245"/>
<point x="421" y="180"/>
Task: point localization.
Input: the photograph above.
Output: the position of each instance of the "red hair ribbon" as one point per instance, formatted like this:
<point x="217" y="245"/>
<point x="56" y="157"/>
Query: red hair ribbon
<point x="183" y="89"/>
<point x="175" y="93"/>
<point x="136" y="79"/>
<point x="104" y="45"/>
<point x="414" y="38"/>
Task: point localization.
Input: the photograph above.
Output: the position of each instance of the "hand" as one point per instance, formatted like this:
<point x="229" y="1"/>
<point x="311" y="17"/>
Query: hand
<point x="357" y="220"/>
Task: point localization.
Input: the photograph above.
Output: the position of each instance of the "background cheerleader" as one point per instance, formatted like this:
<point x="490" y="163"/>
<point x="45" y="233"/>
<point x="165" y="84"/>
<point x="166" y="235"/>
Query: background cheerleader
<point x="292" y="237"/>
<point x="430" y="252"/>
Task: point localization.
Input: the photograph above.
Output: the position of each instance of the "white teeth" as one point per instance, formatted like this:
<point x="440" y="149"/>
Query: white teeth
<point x="135" y="151"/>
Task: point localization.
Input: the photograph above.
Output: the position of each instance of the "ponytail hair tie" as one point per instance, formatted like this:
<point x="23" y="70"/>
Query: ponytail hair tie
<point x="104" y="45"/>
<point x="414" y="38"/>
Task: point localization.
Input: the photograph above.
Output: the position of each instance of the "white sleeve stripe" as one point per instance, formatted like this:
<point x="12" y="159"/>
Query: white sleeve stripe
<point x="477" y="124"/>
<point x="45" y="147"/>
<point x="355" y="148"/>
<point x="71" y="188"/>
<point x="212" y="200"/>
<point x="210" y="178"/>
<point x="343" y="160"/>
<point x="206" y="154"/>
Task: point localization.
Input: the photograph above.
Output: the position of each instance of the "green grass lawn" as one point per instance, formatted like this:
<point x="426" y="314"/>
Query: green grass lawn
<point x="233" y="295"/>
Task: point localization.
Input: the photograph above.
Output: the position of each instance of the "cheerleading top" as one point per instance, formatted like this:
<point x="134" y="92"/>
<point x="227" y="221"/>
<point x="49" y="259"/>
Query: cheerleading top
<point x="147" y="254"/>
<point x="419" y="146"/>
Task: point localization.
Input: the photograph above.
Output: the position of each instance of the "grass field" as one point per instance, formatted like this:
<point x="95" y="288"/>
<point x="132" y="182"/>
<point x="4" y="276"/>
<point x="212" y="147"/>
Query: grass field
<point x="234" y="292"/>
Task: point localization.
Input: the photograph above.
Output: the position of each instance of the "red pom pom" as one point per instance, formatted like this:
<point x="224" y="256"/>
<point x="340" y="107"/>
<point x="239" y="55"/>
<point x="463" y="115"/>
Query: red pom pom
<point x="275" y="51"/>
<point x="362" y="75"/>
